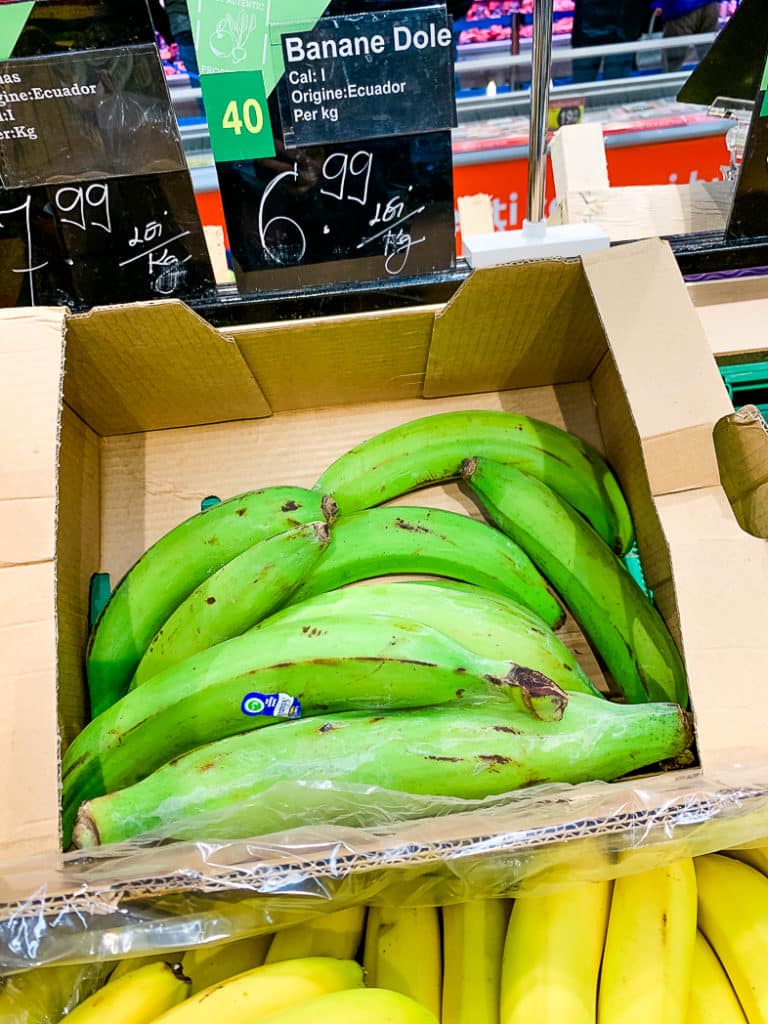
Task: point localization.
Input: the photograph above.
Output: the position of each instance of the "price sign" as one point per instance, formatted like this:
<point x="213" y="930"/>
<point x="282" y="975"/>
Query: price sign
<point x="238" y="115"/>
<point x="89" y="242"/>
<point x="51" y="27"/>
<point x="357" y="182"/>
<point x="86" y="115"/>
<point x="368" y="76"/>
<point x="381" y="209"/>
<point x="749" y="210"/>
<point x="96" y="200"/>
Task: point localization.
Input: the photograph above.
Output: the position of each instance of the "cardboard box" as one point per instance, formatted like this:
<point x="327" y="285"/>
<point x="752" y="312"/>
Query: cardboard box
<point x="121" y="420"/>
<point x="733" y="312"/>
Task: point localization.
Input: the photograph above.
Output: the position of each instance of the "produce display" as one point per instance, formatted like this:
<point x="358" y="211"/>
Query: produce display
<point x="682" y="943"/>
<point x="236" y="655"/>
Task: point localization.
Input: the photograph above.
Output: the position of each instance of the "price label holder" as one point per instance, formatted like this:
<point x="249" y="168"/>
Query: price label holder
<point x="96" y="200"/>
<point x="359" y="185"/>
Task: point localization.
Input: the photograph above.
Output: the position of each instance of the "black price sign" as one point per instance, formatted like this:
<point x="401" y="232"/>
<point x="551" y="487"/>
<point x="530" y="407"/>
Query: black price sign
<point x="368" y="76"/>
<point x="83" y="115"/>
<point x="380" y="209"/>
<point x="92" y="242"/>
<point x="749" y="211"/>
<point x="57" y="26"/>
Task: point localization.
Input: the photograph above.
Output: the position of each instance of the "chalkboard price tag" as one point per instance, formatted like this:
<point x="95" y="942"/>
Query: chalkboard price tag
<point x="368" y="76"/>
<point x="238" y="116"/>
<point x="363" y="211"/>
<point x="113" y="240"/>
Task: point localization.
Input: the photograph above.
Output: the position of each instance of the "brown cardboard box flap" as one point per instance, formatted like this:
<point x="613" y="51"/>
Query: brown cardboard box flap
<point x="721" y="579"/>
<point x="504" y="328"/>
<point x="31" y="357"/>
<point x="657" y="337"/>
<point x="681" y="461"/>
<point x="741" y="441"/>
<point x="162" y="366"/>
<point x="29" y="795"/>
<point x="331" y="361"/>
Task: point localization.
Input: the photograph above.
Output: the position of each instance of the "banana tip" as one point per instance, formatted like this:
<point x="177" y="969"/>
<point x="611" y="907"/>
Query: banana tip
<point x="322" y="532"/>
<point x="85" y="834"/>
<point x="178" y="973"/>
<point x="468" y="468"/>
<point x="541" y="695"/>
<point x="330" y="508"/>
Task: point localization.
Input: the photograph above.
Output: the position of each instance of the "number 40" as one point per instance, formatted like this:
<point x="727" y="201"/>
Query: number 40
<point x="251" y="118"/>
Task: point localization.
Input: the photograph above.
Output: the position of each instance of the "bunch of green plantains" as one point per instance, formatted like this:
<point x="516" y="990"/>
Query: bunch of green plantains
<point x="236" y="655"/>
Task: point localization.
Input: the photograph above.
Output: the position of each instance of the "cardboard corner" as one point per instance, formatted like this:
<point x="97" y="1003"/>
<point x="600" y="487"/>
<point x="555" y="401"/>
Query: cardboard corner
<point x="153" y="366"/>
<point x="31" y="359"/>
<point x="664" y="360"/>
<point x="487" y="337"/>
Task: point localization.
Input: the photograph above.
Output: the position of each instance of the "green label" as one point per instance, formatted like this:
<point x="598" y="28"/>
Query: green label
<point x="237" y="114"/>
<point x="244" y="35"/>
<point x="13" y="18"/>
<point x="764" y="83"/>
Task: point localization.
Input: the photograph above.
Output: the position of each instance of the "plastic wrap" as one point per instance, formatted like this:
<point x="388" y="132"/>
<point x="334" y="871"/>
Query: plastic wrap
<point x="137" y="898"/>
<point x="44" y="996"/>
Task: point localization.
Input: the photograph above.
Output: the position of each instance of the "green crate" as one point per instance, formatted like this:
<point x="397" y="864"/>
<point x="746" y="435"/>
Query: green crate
<point x="747" y="384"/>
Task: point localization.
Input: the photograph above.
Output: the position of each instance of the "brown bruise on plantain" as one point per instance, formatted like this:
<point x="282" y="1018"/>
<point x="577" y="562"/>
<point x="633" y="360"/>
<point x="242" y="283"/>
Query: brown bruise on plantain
<point x="403" y="524"/>
<point x="494" y="761"/>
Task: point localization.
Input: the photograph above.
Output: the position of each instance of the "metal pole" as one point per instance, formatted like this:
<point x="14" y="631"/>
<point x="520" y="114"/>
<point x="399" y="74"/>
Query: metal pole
<point x="540" y="78"/>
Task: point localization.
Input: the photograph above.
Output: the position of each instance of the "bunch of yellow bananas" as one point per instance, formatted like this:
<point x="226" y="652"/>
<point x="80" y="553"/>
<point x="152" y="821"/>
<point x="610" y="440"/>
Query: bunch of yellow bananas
<point x="683" y="943"/>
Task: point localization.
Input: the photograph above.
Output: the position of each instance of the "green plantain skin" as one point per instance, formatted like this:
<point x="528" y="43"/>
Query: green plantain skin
<point x="234" y="598"/>
<point x="488" y="624"/>
<point x="170" y="570"/>
<point x="221" y="791"/>
<point x="431" y="449"/>
<point x="429" y="541"/>
<point x="617" y="618"/>
<point x="335" y="663"/>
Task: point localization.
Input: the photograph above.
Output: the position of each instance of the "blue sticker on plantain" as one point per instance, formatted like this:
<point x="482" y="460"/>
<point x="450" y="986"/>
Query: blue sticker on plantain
<point x="270" y="705"/>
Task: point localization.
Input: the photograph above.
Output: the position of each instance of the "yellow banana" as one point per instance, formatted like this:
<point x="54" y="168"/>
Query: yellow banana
<point x="337" y="935"/>
<point x="713" y="1000"/>
<point x="47" y="993"/>
<point x="473" y="943"/>
<point x="208" y="965"/>
<point x="255" y="994"/>
<point x="733" y="915"/>
<point x="552" y="956"/>
<point x="408" y="954"/>
<point x="131" y="964"/>
<point x="755" y="856"/>
<point x="648" y="958"/>
<point x="137" y="998"/>
<point x="357" y="1006"/>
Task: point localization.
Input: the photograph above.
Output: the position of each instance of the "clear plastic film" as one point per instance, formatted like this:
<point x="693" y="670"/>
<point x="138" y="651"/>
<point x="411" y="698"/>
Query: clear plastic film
<point x="134" y="899"/>
<point x="45" y="995"/>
